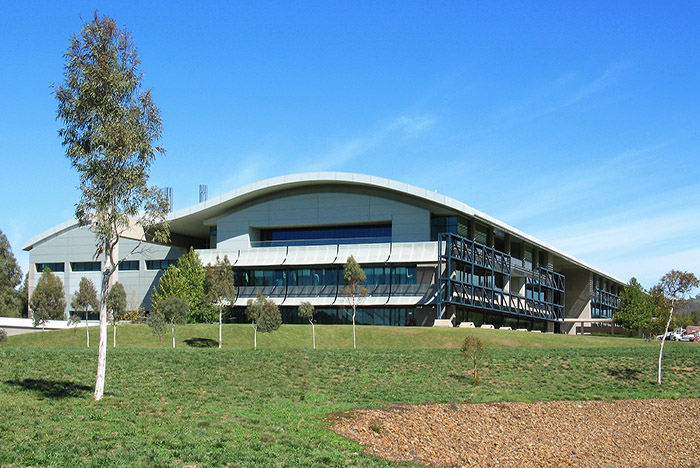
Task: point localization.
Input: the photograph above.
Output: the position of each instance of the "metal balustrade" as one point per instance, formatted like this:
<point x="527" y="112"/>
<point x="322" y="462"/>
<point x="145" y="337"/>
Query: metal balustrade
<point x="461" y="259"/>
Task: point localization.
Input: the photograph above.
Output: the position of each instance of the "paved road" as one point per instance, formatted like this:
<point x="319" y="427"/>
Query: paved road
<point x="20" y="331"/>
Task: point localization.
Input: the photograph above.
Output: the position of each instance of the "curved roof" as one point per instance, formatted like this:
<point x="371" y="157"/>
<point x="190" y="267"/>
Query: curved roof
<point x="54" y="231"/>
<point x="191" y="220"/>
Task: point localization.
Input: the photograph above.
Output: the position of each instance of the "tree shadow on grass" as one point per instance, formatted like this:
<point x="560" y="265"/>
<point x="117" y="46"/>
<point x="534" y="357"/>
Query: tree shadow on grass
<point x="52" y="388"/>
<point x="201" y="343"/>
<point x="461" y="377"/>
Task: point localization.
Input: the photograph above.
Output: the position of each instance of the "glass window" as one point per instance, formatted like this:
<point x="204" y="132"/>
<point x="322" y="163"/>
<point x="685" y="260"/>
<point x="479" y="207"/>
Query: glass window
<point x="159" y="264"/>
<point x="313" y="277"/>
<point x="129" y="265"/>
<point x="481" y="234"/>
<point x="529" y="257"/>
<point x="85" y="266"/>
<point x="356" y="234"/>
<point x="212" y="237"/>
<point x="54" y="267"/>
<point x="404" y="275"/>
<point x="377" y="275"/>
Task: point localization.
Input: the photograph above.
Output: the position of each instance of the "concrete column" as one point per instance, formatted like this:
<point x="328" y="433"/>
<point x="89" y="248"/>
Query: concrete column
<point x="577" y="297"/>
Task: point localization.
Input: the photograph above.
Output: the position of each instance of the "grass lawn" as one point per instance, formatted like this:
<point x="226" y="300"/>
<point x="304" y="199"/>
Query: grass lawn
<point x="194" y="406"/>
<point x="327" y="337"/>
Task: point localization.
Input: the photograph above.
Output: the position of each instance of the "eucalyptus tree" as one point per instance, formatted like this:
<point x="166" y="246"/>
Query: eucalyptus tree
<point x="174" y="311"/>
<point x="354" y="278"/>
<point x="306" y="311"/>
<point x="264" y="315"/>
<point x="116" y="307"/>
<point x="674" y="286"/>
<point x="85" y="300"/>
<point x="156" y="321"/>
<point x="109" y="130"/>
<point x="47" y="301"/>
<point x="219" y="289"/>
<point x="10" y="278"/>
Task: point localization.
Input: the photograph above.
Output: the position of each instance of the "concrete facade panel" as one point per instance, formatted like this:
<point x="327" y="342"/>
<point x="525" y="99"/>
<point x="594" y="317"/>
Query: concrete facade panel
<point x="409" y="223"/>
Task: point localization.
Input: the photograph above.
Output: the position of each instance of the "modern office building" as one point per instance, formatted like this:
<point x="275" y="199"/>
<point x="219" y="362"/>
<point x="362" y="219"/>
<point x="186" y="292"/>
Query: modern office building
<point x="426" y="256"/>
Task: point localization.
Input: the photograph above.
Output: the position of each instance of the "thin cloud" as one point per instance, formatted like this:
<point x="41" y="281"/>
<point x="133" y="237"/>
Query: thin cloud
<point x="250" y="169"/>
<point x="561" y="93"/>
<point x="649" y="268"/>
<point x="630" y="236"/>
<point x="609" y="77"/>
<point x="343" y="152"/>
<point x="599" y="179"/>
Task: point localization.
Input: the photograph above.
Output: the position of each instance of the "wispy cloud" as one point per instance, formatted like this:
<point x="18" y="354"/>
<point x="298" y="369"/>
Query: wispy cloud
<point x="559" y="94"/>
<point x="609" y="77"/>
<point x="629" y="235"/>
<point x="341" y="152"/>
<point x="566" y="189"/>
<point x="249" y="169"/>
<point x="649" y="268"/>
<point x="644" y="239"/>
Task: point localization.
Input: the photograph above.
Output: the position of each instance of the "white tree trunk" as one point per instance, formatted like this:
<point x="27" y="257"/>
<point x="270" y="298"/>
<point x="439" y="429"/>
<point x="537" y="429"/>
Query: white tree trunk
<point x="87" y="330"/>
<point x="220" y="314"/>
<point x="172" y="327"/>
<point x="102" y="344"/>
<point x="354" y="343"/>
<point x="255" y="337"/>
<point x="313" y="332"/>
<point x="114" y="338"/>
<point x="663" y="341"/>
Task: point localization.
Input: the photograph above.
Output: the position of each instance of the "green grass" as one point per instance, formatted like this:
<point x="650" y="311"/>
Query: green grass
<point x="237" y="407"/>
<point x="327" y="337"/>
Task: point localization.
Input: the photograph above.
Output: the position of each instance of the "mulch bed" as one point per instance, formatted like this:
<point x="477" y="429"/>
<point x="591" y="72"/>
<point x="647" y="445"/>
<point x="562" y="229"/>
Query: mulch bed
<point x="600" y="434"/>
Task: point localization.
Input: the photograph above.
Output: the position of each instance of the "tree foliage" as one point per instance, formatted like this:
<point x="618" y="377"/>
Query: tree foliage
<point x="109" y="127"/>
<point x="185" y="280"/>
<point x="85" y="300"/>
<point x="354" y="278"/>
<point x="264" y="314"/>
<point x="307" y="311"/>
<point x="47" y="301"/>
<point x="219" y="289"/>
<point x="158" y="325"/>
<point x="116" y="302"/>
<point x="673" y="288"/>
<point x="473" y="350"/>
<point x="171" y="283"/>
<point x="637" y="310"/>
<point x="116" y="307"/>
<point x="10" y="277"/>
<point x="174" y="311"/>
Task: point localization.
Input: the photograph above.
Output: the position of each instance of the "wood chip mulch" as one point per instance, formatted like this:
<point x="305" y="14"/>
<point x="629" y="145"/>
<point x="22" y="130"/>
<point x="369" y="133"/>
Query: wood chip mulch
<point x="600" y="434"/>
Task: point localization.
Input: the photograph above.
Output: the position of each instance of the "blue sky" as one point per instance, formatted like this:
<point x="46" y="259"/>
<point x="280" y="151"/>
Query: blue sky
<point x="576" y="122"/>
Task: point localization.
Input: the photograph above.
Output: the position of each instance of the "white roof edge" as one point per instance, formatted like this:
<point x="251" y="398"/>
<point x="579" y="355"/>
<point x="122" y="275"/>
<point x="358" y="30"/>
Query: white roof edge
<point x="50" y="233"/>
<point x="385" y="184"/>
